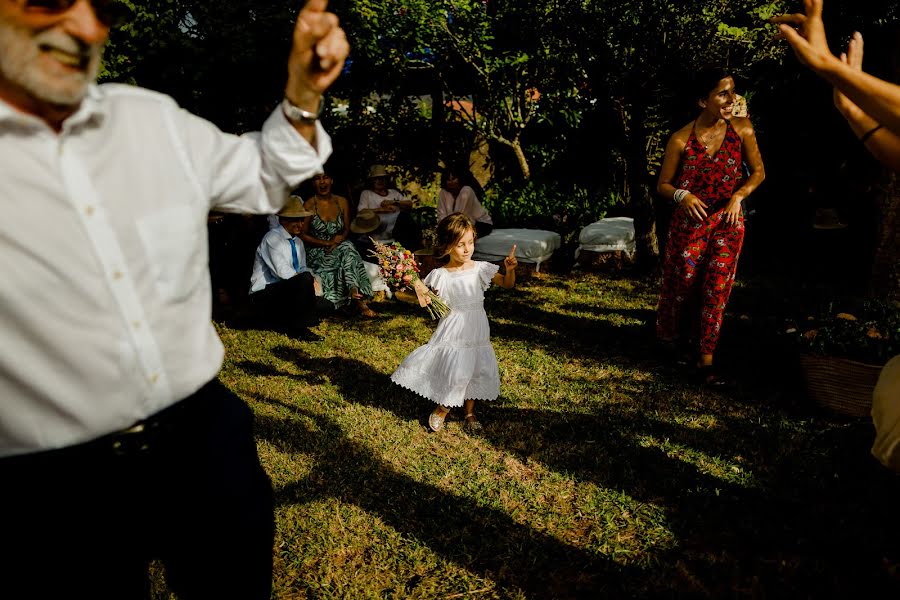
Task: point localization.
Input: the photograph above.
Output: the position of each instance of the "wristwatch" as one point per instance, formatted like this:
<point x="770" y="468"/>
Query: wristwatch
<point x="297" y="114"/>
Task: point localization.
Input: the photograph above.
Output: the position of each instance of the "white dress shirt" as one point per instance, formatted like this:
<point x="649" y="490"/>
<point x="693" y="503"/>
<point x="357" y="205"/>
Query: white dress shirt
<point x="274" y="259"/>
<point x="465" y="202"/>
<point x="106" y="301"/>
<point x="369" y="199"/>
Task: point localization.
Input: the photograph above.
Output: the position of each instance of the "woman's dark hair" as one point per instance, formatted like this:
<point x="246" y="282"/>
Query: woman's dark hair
<point x="449" y="231"/>
<point x="706" y="79"/>
<point x="461" y="173"/>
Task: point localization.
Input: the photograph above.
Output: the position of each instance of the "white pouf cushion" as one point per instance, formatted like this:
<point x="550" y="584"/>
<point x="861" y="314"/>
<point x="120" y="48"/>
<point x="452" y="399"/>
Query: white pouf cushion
<point x="615" y="234"/>
<point x="532" y="245"/>
<point x="378" y="284"/>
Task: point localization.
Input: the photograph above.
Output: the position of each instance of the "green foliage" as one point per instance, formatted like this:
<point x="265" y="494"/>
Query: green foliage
<point x="564" y="209"/>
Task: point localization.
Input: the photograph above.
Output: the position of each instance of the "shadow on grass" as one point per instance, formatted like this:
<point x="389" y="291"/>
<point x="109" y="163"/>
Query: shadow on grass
<point x="772" y="531"/>
<point x="814" y="517"/>
<point x="478" y="538"/>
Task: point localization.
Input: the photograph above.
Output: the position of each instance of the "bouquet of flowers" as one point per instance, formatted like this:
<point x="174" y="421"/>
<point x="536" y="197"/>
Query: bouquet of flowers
<point x="400" y="271"/>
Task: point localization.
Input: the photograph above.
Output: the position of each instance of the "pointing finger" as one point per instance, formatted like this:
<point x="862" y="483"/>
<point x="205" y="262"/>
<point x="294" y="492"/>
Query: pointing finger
<point x="512" y="252"/>
<point x="795" y="19"/>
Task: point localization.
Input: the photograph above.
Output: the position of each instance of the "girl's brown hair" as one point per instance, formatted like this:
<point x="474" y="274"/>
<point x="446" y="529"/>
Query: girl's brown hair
<point x="449" y="231"/>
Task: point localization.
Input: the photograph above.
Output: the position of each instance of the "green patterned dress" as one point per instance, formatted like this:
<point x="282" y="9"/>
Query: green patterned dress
<point x="340" y="269"/>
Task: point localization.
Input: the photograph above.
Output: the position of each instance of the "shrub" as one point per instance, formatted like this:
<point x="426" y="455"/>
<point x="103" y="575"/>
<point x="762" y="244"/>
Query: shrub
<point x="867" y="332"/>
<point x="538" y="205"/>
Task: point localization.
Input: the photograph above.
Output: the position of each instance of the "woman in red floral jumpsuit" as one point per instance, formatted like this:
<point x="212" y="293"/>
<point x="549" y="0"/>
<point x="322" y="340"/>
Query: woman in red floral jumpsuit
<point x="702" y="173"/>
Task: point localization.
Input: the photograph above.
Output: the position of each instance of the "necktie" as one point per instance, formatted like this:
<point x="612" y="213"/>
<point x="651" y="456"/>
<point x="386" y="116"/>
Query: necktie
<point x="294" y="259"/>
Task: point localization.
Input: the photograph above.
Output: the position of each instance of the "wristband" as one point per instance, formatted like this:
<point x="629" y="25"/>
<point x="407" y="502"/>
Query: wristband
<point x="297" y="114"/>
<point x="680" y="195"/>
<point x="865" y="137"/>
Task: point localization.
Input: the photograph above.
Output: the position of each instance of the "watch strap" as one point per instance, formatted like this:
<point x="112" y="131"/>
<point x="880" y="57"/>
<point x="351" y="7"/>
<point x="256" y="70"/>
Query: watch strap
<point x="295" y="113"/>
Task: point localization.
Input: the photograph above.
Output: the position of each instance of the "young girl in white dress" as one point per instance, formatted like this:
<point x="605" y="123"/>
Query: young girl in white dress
<point x="458" y="366"/>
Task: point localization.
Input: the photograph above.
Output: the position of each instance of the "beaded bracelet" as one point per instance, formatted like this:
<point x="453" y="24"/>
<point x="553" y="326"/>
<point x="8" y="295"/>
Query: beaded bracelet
<point x="865" y="137"/>
<point x="680" y="195"/>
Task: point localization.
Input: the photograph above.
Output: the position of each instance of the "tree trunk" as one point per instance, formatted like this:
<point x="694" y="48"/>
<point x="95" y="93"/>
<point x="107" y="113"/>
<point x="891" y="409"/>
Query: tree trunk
<point x="641" y="198"/>
<point x="886" y="266"/>
<point x="516" y="145"/>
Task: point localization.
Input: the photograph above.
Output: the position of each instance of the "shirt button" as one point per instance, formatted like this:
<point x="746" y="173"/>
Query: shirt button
<point x="117" y="275"/>
<point x="89" y="210"/>
<point x="136" y="324"/>
<point x="154" y="378"/>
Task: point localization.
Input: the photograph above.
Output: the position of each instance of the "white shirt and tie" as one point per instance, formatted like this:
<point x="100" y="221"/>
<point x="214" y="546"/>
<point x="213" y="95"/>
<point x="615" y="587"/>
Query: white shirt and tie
<point x="105" y="316"/>
<point x="279" y="256"/>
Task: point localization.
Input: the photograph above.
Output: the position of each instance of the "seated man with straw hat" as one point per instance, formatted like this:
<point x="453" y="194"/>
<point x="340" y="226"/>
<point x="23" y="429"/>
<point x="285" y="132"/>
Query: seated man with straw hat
<point x="391" y="206"/>
<point x="364" y="227"/>
<point x="282" y="287"/>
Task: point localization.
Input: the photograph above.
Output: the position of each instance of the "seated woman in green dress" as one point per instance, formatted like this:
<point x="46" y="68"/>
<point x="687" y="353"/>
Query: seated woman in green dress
<point x="329" y="252"/>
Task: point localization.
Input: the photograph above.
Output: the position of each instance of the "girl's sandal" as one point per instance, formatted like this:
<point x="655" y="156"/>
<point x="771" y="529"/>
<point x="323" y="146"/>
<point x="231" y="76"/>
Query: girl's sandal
<point x="472" y="423"/>
<point x="436" y="420"/>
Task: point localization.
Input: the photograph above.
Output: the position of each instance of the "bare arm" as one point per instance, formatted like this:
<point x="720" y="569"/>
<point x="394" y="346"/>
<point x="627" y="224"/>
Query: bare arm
<point x="883" y="143"/>
<point x="316" y="59"/>
<point x="404" y="202"/>
<point x="665" y="186"/>
<point x="345" y="209"/>
<point x="308" y="238"/>
<point x="508" y="279"/>
<point x="674" y="148"/>
<point x="805" y="33"/>
<point x="754" y="160"/>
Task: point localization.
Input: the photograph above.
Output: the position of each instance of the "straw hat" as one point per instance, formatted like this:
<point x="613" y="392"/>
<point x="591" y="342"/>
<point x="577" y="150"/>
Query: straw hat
<point x="377" y="171"/>
<point x="366" y="220"/>
<point x="293" y="209"/>
<point x="827" y="218"/>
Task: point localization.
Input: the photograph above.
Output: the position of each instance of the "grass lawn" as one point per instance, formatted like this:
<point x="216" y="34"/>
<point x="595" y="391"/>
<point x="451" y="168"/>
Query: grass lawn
<point x="601" y="472"/>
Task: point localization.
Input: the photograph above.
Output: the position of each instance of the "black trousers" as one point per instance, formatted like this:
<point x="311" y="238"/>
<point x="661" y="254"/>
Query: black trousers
<point x="85" y="521"/>
<point x="483" y="229"/>
<point x="289" y="304"/>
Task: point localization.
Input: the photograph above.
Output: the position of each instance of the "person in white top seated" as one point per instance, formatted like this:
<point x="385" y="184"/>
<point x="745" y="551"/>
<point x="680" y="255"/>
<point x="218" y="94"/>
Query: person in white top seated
<point x="457" y="196"/>
<point x="390" y="205"/>
<point x="282" y="287"/>
<point x="118" y="443"/>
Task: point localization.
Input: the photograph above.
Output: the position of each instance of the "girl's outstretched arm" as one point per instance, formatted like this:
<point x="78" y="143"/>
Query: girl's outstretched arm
<point x="508" y="280"/>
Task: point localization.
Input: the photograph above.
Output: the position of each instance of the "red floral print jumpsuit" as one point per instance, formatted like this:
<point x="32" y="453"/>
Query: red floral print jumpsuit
<point x="701" y="256"/>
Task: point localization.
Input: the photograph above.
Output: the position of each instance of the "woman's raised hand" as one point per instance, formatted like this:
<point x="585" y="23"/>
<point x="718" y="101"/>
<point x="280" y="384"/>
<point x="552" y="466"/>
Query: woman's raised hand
<point x="805" y="32"/>
<point x="852" y="58"/>
<point x="694" y="206"/>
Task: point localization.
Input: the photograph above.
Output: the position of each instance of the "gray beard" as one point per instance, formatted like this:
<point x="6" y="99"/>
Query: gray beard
<point x="19" y="56"/>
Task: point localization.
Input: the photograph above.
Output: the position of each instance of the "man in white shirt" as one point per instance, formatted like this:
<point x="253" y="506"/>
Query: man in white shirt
<point x="282" y="286"/>
<point x="392" y="207"/>
<point x="117" y="443"/>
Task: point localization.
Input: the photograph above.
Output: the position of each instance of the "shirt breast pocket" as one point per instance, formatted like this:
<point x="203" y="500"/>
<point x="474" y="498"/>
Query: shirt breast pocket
<point x="176" y="251"/>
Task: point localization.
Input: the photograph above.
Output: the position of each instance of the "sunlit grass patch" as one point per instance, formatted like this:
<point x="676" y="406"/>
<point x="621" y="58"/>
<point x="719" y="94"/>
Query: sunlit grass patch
<point x="601" y="472"/>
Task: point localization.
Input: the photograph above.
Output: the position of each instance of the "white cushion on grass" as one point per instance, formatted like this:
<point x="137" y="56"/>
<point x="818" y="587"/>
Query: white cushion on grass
<point x="615" y="234"/>
<point x="378" y="284"/>
<point x="532" y="245"/>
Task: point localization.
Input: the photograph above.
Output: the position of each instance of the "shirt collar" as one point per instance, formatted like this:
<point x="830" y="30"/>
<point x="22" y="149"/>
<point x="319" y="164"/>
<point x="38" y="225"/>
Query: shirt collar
<point x="91" y="107"/>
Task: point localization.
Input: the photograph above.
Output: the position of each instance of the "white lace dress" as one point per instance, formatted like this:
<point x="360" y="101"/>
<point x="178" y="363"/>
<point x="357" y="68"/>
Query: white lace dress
<point x="458" y="362"/>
